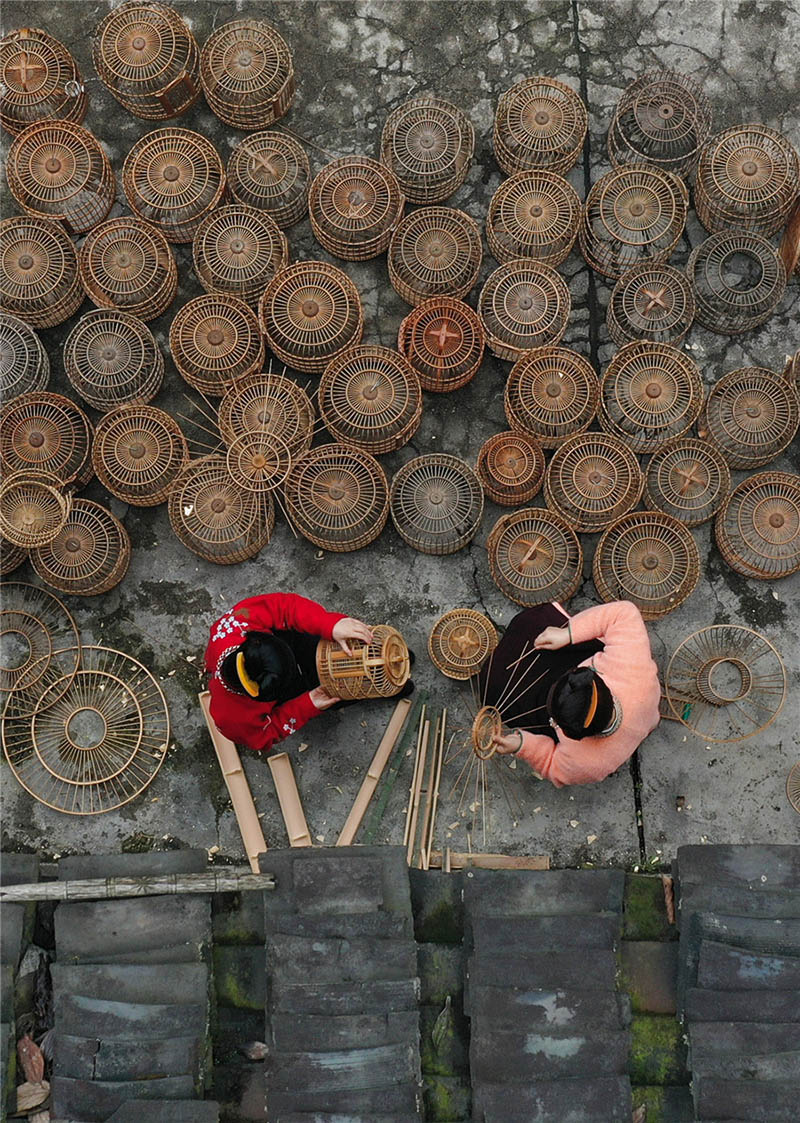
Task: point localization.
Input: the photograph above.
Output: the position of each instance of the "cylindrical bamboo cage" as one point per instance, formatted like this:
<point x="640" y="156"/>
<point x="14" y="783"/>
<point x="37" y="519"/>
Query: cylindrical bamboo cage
<point x="111" y="358"/>
<point x="533" y="215"/>
<point x="428" y="143"/>
<point x="173" y="178"/>
<point x="40" y="79"/>
<point x="33" y="508"/>
<point x="24" y="365"/>
<point x="663" y="118"/>
<point x="370" y="398"/>
<point x="443" y="339"/>
<point x="215" y="340"/>
<point x="46" y="432"/>
<point x="436" y="503"/>
<point x="523" y="305"/>
<point x="758" y="528"/>
<point x="147" y="58"/>
<point x="11" y="557"/>
<point x="269" y="404"/>
<point x="460" y="642"/>
<point x="551" y="394"/>
<point x="337" y="497"/>
<point x="751" y="415"/>
<point x="534" y="556"/>
<point x="435" y="251"/>
<point x="355" y="204"/>
<point x="247" y="74"/>
<point x="137" y="454"/>
<point x="739" y="280"/>
<point x="89" y="555"/>
<point x="539" y="123"/>
<point x="653" y="303"/>
<point x="379" y="669"/>
<point x="511" y="468"/>
<point x="270" y="170"/>
<point x="689" y="479"/>
<point x="38" y="271"/>
<point x="237" y="250"/>
<point x="592" y="480"/>
<point x="309" y="313"/>
<point x="127" y="264"/>
<point x="38" y="629"/>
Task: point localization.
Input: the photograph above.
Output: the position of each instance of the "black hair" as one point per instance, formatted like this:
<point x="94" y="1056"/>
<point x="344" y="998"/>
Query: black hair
<point x="569" y="699"/>
<point x="269" y="662"/>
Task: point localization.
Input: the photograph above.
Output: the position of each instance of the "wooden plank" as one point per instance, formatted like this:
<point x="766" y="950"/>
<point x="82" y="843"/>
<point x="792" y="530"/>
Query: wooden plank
<point x="289" y="798"/>
<point x="432" y="828"/>
<point x="396" y="761"/>
<point x="222" y="880"/>
<point x="458" y="861"/>
<point x="374" y="773"/>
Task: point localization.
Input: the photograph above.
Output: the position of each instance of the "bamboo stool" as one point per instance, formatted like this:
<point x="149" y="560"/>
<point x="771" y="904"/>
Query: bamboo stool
<point x="751" y="415"/>
<point x="511" y="468"/>
<point x="237" y="250"/>
<point x="551" y="394"/>
<point x="41" y="81"/>
<point x="663" y="118"/>
<point x="39" y="280"/>
<point x="111" y="358"/>
<point x="215" y="340"/>
<point x="523" y="305"/>
<point x="436" y="503"/>
<point x="337" y="498"/>
<point x="267" y="404"/>
<point x="443" y="339"/>
<point x="435" y="251"/>
<point x="689" y="479"/>
<point x="592" y="480"/>
<point x="539" y="123"/>
<point x="33" y="509"/>
<point x="46" y="432"/>
<point x="137" y="454"/>
<point x="89" y="555"/>
<point x="534" y="556"/>
<point x="127" y="264"/>
<point x="38" y="629"/>
<point x="370" y="398"/>
<point x="270" y="170"/>
<point x="428" y="143"/>
<point x="379" y="669"/>
<point x="24" y="365"/>
<point x="247" y="74"/>
<point x="739" y="280"/>
<point x="758" y="528"/>
<point x="654" y="303"/>
<point x="11" y="557"/>
<point x="355" y="205"/>
<point x="147" y="58"/>
<point x="533" y="215"/>
<point x="460" y="642"/>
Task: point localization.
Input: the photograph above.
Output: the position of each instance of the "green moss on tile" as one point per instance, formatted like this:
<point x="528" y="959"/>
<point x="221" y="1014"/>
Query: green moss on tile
<point x="658" y="1051"/>
<point x="645" y="915"/>
<point x="446" y="1099"/>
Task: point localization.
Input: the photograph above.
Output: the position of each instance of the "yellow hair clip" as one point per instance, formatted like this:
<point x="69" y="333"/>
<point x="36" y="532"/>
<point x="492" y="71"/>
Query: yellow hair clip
<point x="250" y="686"/>
<point x="592" y="707"/>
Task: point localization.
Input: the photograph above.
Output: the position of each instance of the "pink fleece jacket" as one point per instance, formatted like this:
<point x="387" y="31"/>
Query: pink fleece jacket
<point x="627" y="668"/>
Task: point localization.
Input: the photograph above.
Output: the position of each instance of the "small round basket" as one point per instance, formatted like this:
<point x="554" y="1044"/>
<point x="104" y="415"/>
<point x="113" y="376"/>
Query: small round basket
<point x="112" y="358"/>
<point x="654" y="303"/>
<point x="379" y="669"/>
<point x="460" y="642"/>
<point x="38" y="271"/>
<point x="511" y="468"/>
<point x="539" y="123"/>
<point x="337" y="498"/>
<point x="436" y="503"/>
<point x="40" y="80"/>
<point x="428" y="144"/>
<point x="663" y="118"/>
<point x="127" y="264"/>
<point x="237" y="250"/>
<point x="215" y="340"/>
<point x="751" y="415"/>
<point x="443" y="339"/>
<point x="689" y="479"/>
<point x="592" y="480"/>
<point x="435" y="251"/>
<point x="247" y="74"/>
<point x="33" y="508"/>
<point x="534" y="556"/>
<point x="270" y="171"/>
<point x="24" y="365"/>
<point x="533" y="215"/>
<point x="739" y="280"/>
<point x="137" y="454"/>
<point x="552" y="393"/>
<point x="46" y="432"/>
<point x="355" y="205"/>
<point x="523" y="305"/>
<point x="89" y="555"/>
<point x="758" y="528"/>
<point x="370" y="398"/>
<point x="268" y="404"/>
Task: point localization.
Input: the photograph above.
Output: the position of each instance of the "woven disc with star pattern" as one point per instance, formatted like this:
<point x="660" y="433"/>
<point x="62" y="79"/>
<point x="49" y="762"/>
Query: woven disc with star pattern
<point x="460" y="642"/>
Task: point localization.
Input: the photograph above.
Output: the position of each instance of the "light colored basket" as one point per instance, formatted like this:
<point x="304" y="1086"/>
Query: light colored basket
<point x="435" y="251"/>
<point x="111" y="358"/>
<point x="533" y="215"/>
<point x="436" y="503"/>
<point x="539" y="123"/>
<point x="137" y="454"/>
<point x="39" y="279"/>
<point x="355" y="205"/>
<point x="215" y="340"/>
<point x="511" y="468"/>
<point x="428" y="143"/>
<point x="551" y="394"/>
<point x="654" y="303"/>
<point x="370" y="398"/>
<point x="751" y="415"/>
<point x="739" y="280"/>
<point x="758" y="528"/>
<point x="89" y="555"/>
<point x="237" y="250"/>
<point x="663" y="118"/>
<point x="535" y="556"/>
<point x="591" y="480"/>
<point x="24" y="365"/>
<point x="689" y="479"/>
<point x="46" y="432"/>
<point x="460" y="642"/>
<point x="337" y="497"/>
<point x="379" y="669"/>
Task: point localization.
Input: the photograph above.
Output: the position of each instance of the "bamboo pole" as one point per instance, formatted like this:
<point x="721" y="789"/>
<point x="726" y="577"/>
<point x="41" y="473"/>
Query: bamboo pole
<point x="423" y="834"/>
<point x="374" y="773"/>
<point x="413" y="787"/>
<point x="226" y="879"/>
<point x="396" y="761"/>
<point x="459" y="861"/>
<point x="432" y="829"/>
<point x="289" y="798"/>
<point x="412" y="834"/>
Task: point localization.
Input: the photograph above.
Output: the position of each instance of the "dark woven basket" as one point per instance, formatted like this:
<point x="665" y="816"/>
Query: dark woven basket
<point x="751" y="415"/>
<point x="428" y="144"/>
<point x="270" y="170"/>
<point x="237" y="250"/>
<point x="539" y="123"/>
<point x="41" y="81"/>
<point x="523" y="305"/>
<point x="653" y="303"/>
<point x="111" y="358"/>
<point x="137" y="454"/>
<point x="592" y="480"/>
<point x="663" y="118"/>
<point x="270" y="404"/>
<point x="758" y="528"/>
<point x="551" y="394"/>
<point x="739" y="280"/>
<point x="535" y="556"/>
<point x="247" y="74"/>
<point x="511" y="468"/>
<point x="689" y="479"/>
<point x="39" y="280"/>
<point x="24" y="365"/>
<point x="436" y="503"/>
<point x="435" y="251"/>
<point x="89" y="555"/>
<point x="46" y="432"/>
<point x="443" y="339"/>
<point x="533" y="215"/>
<point x="127" y="264"/>
<point x="215" y="340"/>
<point x="355" y="205"/>
<point x="370" y="399"/>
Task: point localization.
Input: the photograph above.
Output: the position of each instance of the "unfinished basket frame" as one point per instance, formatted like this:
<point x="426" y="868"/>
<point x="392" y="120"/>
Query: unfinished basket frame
<point x="460" y="642"/>
<point x="33" y="508"/>
<point x="38" y="271"/>
<point x="739" y="280"/>
<point x="523" y="305"/>
<point x="654" y="303"/>
<point x="592" y="480"/>
<point x="551" y="394"/>
<point x="379" y="669"/>
<point x="39" y="630"/>
<point x="354" y="205"/>
<point x="758" y="529"/>
<point x="237" y="250"/>
<point x="111" y="358"/>
<point x="270" y="404"/>
<point x="535" y="556"/>
<point x="436" y="503"/>
<point x="215" y="340"/>
<point x="46" y="432"/>
<point x="270" y="171"/>
<point x="337" y="497"/>
<point x="127" y="264"/>
<point x="511" y="468"/>
<point x="533" y="215"/>
<point x="258" y="462"/>
<point x="435" y="251"/>
<point x="24" y="365"/>
<point x="247" y="74"/>
<point x="370" y="398"/>
<point x="443" y="339"/>
<point x="539" y="123"/>
<point x="429" y="144"/>
<point x="40" y="79"/>
<point x="663" y="118"/>
<point x="751" y="415"/>
<point x="689" y="479"/>
<point x="137" y="454"/>
<point x="89" y="555"/>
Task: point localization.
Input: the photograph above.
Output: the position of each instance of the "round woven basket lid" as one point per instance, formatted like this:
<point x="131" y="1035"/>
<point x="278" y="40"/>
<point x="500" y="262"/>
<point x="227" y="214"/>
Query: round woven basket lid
<point x="523" y="305"/>
<point x="551" y="394"/>
<point x="649" y="558"/>
<point x="237" y="250"/>
<point x="354" y="205"/>
<point x="370" y="398"/>
<point x="38" y="271"/>
<point x="663" y="118"/>
<point x="127" y="264"/>
<point x="32" y="508"/>
<point x="337" y="497"/>
<point x="37" y="632"/>
<point x="725" y="683"/>
<point x="40" y="81"/>
<point x="428" y="144"/>
<point x="270" y="170"/>
<point x="11" y="557"/>
<point x="533" y="215"/>
<point x="24" y="365"/>
<point x="460" y="641"/>
<point x="268" y="404"/>
<point x="752" y="415"/>
<point x="436" y="503"/>
<point x="435" y="251"/>
<point x="689" y="479"/>
<point x="258" y="462"/>
<point x="758" y="528"/>
<point x="591" y="480"/>
<point x="443" y="339"/>
<point x="651" y="302"/>
<point x="309" y="312"/>
<point x="111" y="358"/>
<point x="535" y="556"/>
<point x="511" y="468"/>
<point x="96" y="744"/>
<point x="214" y="340"/>
<point x="88" y="556"/>
<point x="739" y="280"/>
<point x="247" y="74"/>
<point x="651" y="393"/>
<point x="46" y="432"/>
<point x="793" y="787"/>
<point x="539" y="123"/>
<point x="137" y="454"/>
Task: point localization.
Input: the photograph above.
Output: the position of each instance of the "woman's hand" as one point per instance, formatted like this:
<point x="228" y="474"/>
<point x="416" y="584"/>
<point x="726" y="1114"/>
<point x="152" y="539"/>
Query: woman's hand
<point x="506" y="743"/>
<point x="348" y="628"/>
<point x="552" y="639"/>
<point x="322" y="699"/>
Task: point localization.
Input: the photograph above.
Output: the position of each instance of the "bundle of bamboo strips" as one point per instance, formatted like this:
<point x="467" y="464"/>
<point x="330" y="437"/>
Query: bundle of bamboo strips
<point x="434" y="760"/>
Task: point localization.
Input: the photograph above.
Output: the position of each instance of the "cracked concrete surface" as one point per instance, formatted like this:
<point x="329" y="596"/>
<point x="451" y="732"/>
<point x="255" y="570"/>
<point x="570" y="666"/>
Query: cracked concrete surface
<point x="354" y="63"/>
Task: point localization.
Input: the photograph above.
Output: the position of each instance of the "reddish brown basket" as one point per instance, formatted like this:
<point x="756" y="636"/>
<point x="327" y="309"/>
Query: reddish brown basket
<point x="651" y="302"/>
<point x="533" y="215"/>
<point x="460" y="642"/>
<point x="534" y="556"/>
<point x="523" y="305"/>
<point x="337" y="497"/>
<point x="428" y="143"/>
<point x="436" y="503"/>
<point x="39" y="278"/>
<point x="41" y="81"/>
<point x="511" y="468"/>
<point x="45" y="432"/>
<point x="258" y="462"/>
<point x="751" y="415"/>
<point x="435" y="251"/>
<point x="370" y="398"/>
<point x="237" y="250"/>
<point x="790" y="242"/>
<point x="147" y="58"/>
<point x="247" y="74"/>
<point x="591" y="480"/>
<point x="173" y="178"/>
<point x="269" y="404"/>
<point x="214" y="340"/>
<point x="89" y="555"/>
<point x="689" y="479"/>
<point x="33" y="508"/>
<point x="24" y="365"/>
<point x="758" y="528"/>
<point x="111" y="358"/>
<point x="137" y="454"/>
<point x="355" y="205"/>
<point x="739" y="280"/>
<point x="270" y="170"/>
<point x="551" y="394"/>
<point x="539" y="123"/>
<point x="663" y="118"/>
<point x="443" y="339"/>
<point x="127" y="264"/>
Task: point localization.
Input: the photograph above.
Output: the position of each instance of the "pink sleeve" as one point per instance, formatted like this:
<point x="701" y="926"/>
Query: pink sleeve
<point x="618" y="622"/>
<point x="539" y="752"/>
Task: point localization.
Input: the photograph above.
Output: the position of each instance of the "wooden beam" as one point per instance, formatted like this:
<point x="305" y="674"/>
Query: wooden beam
<point x="289" y="798"/>
<point x="225" y="879"/>
<point x="374" y="773"/>
<point x="459" y="861"/>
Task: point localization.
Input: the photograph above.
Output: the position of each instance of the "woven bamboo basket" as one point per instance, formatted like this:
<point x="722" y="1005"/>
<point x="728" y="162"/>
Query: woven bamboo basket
<point x="663" y="118"/>
<point x="435" y="251"/>
<point x="428" y="143"/>
<point x="460" y="642"/>
<point x="443" y="339"/>
<point x="258" y="462"/>
<point x="511" y="468"/>
<point x="739" y="280"/>
<point x="523" y="305"/>
<point x="270" y="170"/>
<point x="33" y="508"/>
<point x="215" y="340"/>
<point x="309" y="313"/>
<point x="592" y="480"/>
<point x="127" y="264"/>
<point x="649" y="558"/>
<point x="11" y="557"/>
<point x="793" y="787"/>
<point x="653" y="303"/>
<point x="790" y="242"/>
<point x="534" y="556"/>
<point x="379" y="669"/>
<point x="748" y="179"/>
<point x="337" y="497"/>
<point x="237" y="250"/>
<point x="436" y="503"/>
<point x="650" y="394"/>
<point x="37" y="631"/>
<point x="137" y="454"/>
<point x="40" y="79"/>
<point x="533" y="215"/>
<point x="111" y="358"/>
<point x="247" y="74"/>
<point x="751" y="415"/>
<point x="355" y="204"/>
<point x="632" y="215"/>
<point x="689" y="479"/>
<point x="89" y="555"/>
<point x="147" y="58"/>
<point x="24" y="365"/>
<point x="791" y="370"/>
<point x="270" y="404"/>
<point x="758" y="528"/>
<point x="39" y="278"/>
<point x="539" y="123"/>
<point x="370" y="398"/>
<point x="551" y="394"/>
<point x="173" y="178"/>
<point x="46" y="432"/>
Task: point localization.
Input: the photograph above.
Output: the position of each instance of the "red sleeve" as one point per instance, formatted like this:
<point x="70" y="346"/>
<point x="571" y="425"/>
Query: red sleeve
<point x="274" y="611"/>
<point x="257" y="725"/>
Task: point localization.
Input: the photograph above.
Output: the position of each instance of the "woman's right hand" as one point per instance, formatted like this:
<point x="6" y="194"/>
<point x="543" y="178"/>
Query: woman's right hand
<point x="552" y="639"/>
<point x="322" y="699"/>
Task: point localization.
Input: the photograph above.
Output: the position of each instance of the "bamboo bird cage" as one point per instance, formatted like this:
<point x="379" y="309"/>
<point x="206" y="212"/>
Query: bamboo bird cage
<point x="247" y="74"/>
<point x="111" y="358"/>
<point x="511" y="468"/>
<point x="533" y="215"/>
<point x="535" y="556"/>
<point x="354" y="205"/>
<point x="523" y="305"/>
<point x="33" y="508"/>
<point x="460" y="642"/>
<point x="40" y="79"/>
<point x="24" y="365"/>
<point x="270" y="170"/>
<point x="89" y="555"/>
<point x="215" y="340"/>
<point x="379" y="669"/>
<point x="428" y="144"/>
<point x="443" y="339"/>
<point x="41" y="644"/>
<point x="551" y="394"/>
<point x="540" y="123"/>
<point x="739" y="280"/>
<point x="688" y="478"/>
<point x="654" y="303"/>
<point x="127" y="264"/>
<point x="663" y="119"/>
<point x="592" y="480"/>
<point x="370" y="398"/>
<point x="751" y="415"/>
<point x="39" y="278"/>
<point x="434" y="251"/>
<point x="337" y="497"/>
<point x="436" y="503"/>
<point x="46" y="432"/>
<point x="270" y="404"/>
<point x="237" y="250"/>
<point x="138" y="453"/>
<point x="758" y="528"/>
<point x="258" y="462"/>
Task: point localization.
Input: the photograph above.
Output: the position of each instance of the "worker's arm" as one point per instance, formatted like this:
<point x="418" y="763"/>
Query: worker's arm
<point x="287" y="611"/>
<point x="617" y="623"/>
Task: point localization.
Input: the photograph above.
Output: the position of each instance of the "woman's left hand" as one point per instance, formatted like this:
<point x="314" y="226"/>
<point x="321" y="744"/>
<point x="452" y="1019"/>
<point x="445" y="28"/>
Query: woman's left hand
<point x="348" y="628"/>
<point x="507" y="743"/>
